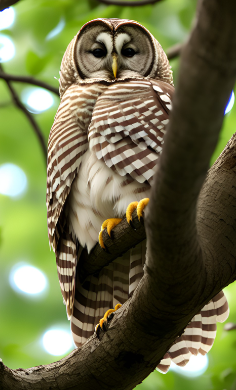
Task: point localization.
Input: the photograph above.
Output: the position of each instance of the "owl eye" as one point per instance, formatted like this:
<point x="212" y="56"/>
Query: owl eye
<point x="99" y="53"/>
<point x="128" y="52"/>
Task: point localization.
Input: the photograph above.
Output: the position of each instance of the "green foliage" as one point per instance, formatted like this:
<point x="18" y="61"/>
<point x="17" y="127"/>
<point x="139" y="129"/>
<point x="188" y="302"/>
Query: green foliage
<point x="23" y="232"/>
<point x="35" y="64"/>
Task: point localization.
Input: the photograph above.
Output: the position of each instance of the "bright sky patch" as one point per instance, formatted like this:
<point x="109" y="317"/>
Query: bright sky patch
<point x="27" y="279"/>
<point x="7" y="48"/>
<point x="13" y="181"/>
<point x="57" y="342"/>
<point x="196" y="366"/>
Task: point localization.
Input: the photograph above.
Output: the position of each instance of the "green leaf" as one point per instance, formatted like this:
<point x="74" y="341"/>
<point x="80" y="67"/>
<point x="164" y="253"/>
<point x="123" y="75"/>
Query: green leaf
<point x="34" y="63"/>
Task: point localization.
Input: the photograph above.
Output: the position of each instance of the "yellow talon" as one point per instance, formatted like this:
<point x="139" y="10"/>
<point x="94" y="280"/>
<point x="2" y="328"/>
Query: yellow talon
<point x="141" y="205"/>
<point x="109" y="224"/>
<point x="136" y="205"/>
<point x="106" y="315"/>
<point x="129" y="211"/>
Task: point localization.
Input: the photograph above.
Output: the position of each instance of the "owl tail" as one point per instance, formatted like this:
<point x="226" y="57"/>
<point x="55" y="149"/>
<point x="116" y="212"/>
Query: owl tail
<point x="199" y="335"/>
<point x="101" y="292"/>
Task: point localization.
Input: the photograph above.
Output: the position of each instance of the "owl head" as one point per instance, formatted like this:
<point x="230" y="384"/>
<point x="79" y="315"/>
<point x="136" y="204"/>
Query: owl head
<point x="110" y="50"/>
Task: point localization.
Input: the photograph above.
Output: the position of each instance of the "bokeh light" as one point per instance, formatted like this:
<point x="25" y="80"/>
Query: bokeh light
<point x="7" y="18"/>
<point x="57" y="341"/>
<point x="7" y="48"/>
<point x="37" y="99"/>
<point x="13" y="181"/>
<point x="27" y="279"/>
<point x="195" y="367"/>
<point x="230" y="103"/>
<point x="56" y="30"/>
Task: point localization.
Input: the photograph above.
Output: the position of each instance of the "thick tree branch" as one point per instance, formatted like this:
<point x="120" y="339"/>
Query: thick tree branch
<point x="187" y="263"/>
<point x="29" y="80"/>
<point x="29" y="116"/>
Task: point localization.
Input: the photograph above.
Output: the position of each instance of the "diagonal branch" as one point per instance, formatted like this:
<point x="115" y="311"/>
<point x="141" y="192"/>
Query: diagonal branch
<point x="172" y="52"/>
<point x="124" y="237"/>
<point x="29" y="116"/>
<point x="29" y="80"/>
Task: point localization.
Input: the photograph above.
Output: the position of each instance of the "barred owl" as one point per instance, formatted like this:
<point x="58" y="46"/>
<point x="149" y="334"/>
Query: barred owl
<point x="116" y="89"/>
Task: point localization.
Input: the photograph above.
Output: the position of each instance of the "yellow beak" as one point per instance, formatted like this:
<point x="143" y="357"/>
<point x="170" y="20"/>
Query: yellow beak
<point x="114" y="64"/>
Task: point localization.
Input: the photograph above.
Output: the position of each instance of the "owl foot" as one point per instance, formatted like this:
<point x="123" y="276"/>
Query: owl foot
<point x="136" y="205"/>
<point x="107" y="317"/>
<point x="109" y="224"/>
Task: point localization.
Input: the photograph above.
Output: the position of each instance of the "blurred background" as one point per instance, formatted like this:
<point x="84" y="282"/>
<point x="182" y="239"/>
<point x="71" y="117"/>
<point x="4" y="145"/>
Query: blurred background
<point x="33" y="325"/>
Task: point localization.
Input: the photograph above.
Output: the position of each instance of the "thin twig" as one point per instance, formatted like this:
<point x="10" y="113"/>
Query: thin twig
<point x="29" y="116"/>
<point x="129" y="3"/>
<point x="28" y="80"/>
<point x="172" y="52"/>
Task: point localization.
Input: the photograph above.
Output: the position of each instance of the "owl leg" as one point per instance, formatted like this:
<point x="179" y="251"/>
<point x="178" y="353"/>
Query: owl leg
<point x="136" y="205"/>
<point x="109" y="224"/>
<point x="107" y="316"/>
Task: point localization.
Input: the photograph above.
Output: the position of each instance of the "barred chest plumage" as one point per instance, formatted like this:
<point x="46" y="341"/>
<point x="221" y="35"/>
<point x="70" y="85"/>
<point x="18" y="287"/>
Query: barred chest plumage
<point x="125" y="138"/>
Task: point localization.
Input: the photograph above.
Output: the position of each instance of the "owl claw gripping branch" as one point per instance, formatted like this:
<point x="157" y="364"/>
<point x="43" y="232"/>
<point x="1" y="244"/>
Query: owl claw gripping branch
<point x="116" y="89"/>
<point x="112" y="222"/>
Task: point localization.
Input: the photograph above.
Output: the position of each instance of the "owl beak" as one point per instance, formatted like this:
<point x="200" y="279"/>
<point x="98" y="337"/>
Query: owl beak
<point x="114" y="64"/>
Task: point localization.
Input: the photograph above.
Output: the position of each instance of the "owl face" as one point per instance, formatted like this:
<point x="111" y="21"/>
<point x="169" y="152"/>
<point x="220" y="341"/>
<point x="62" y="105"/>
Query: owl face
<point x="108" y="54"/>
<point x="110" y="50"/>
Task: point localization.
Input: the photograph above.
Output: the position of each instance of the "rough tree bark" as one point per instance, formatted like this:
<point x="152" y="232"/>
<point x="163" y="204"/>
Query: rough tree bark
<point x="191" y="238"/>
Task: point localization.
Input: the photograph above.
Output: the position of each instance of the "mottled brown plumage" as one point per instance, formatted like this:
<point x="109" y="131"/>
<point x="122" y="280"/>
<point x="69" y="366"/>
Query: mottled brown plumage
<point x="116" y="89"/>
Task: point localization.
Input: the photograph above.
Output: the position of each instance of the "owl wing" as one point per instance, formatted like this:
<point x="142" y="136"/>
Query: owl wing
<point x="128" y="125"/>
<point x="67" y="143"/>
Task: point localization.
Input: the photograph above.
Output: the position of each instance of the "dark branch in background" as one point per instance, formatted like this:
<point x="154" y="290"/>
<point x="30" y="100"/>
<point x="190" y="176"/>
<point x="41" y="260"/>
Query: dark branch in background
<point x="7" y="3"/>
<point x="128" y="3"/>
<point x="29" y="116"/>
<point x="172" y="52"/>
<point x="28" y="80"/>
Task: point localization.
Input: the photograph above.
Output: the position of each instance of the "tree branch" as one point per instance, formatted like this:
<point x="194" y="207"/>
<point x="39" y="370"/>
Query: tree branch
<point x="29" y="80"/>
<point x="128" y="3"/>
<point x="7" y="3"/>
<point x="124" y="237"/>
<point x="174" y="51"/>
<point x="187" y="264"/>
<point x="29" y="116"/>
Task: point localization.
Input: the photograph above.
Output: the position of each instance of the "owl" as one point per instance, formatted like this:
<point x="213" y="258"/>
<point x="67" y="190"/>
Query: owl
<point x="116" y="89"/>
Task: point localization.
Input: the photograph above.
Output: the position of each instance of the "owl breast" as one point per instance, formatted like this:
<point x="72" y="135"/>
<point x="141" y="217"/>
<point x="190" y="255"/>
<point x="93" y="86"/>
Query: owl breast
<point x="99" y="193"/>
<point x="125" y="140"/>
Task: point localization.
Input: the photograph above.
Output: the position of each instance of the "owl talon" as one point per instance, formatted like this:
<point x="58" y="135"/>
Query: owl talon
<point x="107" y="317"/>
<point x="136" y="205"/>
<point x="109" y="224"/>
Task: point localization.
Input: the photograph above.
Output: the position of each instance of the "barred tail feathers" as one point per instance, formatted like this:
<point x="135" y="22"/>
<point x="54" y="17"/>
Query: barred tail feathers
<point x="98" y="294"/>
<point x="199" y="335"/>
<point x="137" y="260"/>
